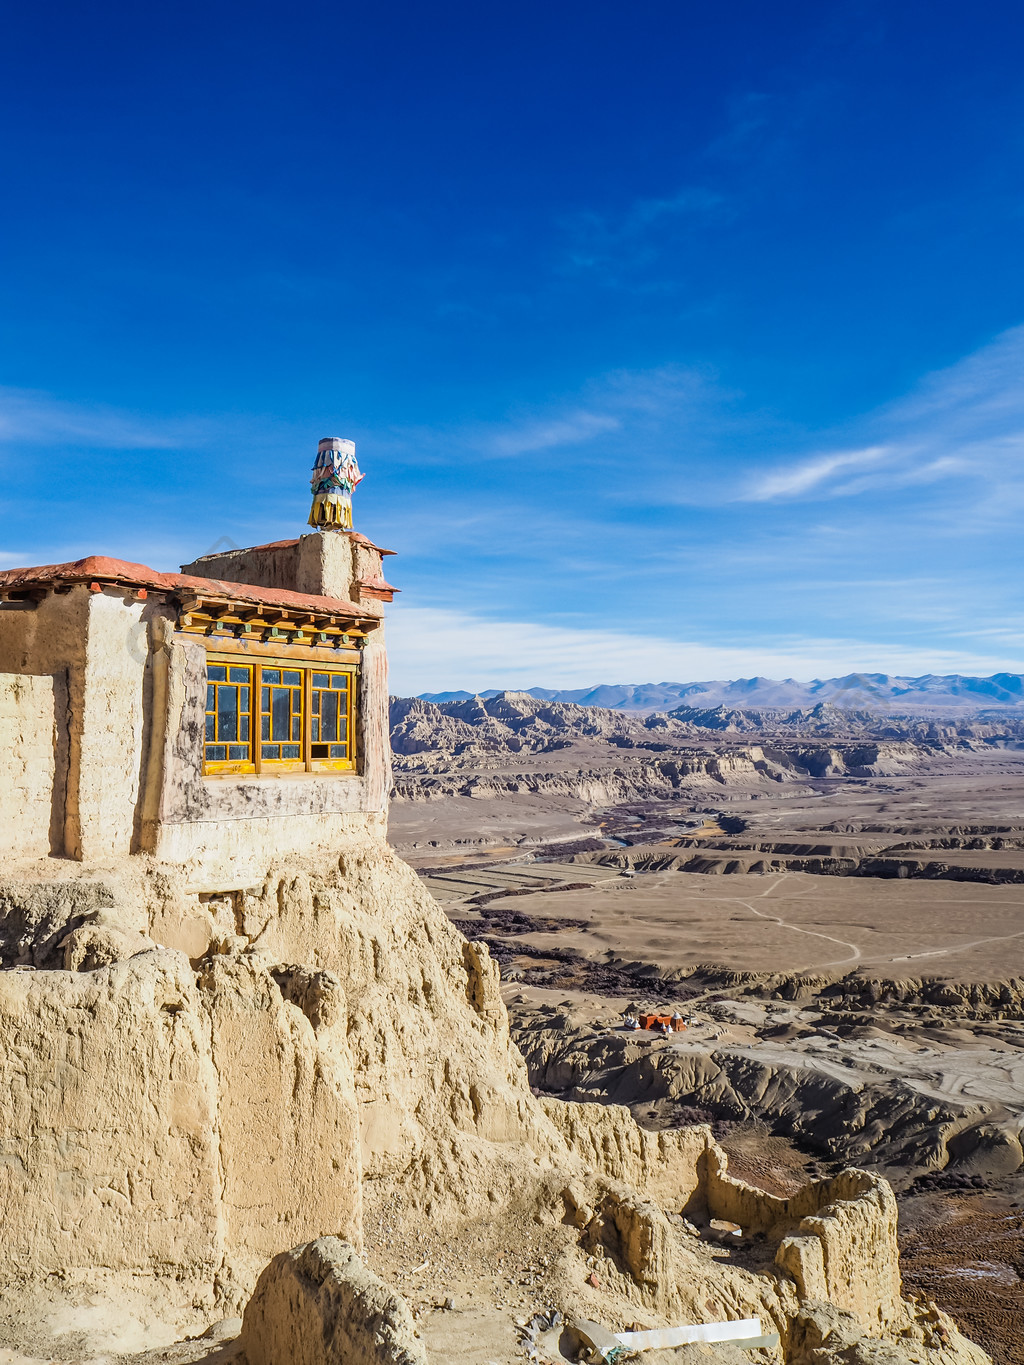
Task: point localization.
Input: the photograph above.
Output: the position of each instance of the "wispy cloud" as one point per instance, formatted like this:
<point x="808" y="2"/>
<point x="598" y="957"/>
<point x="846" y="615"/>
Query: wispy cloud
<point x="638" y="234"/>
<point x="28" y="416"/>
<point x="963" y="422"/>
<point x="573" y="428"/>
<point x="434" y="650"/>
<point x="648" y="412"/>
<point x="796" y="479"/>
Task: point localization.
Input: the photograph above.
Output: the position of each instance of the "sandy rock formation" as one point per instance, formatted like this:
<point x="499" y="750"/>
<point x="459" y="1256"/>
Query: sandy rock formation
<point x="319" y="1305"/>
<point x="333" y="1042"/>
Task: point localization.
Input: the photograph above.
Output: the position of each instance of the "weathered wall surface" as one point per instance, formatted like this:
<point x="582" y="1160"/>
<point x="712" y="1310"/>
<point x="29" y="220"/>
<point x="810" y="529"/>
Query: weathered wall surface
<point x="330" y="564"/>
<point x="666" y="1167"/>
<point x="109" y="1137"/>
<point x="94" y="648"/>
<point x="110" y="723"/>
<point x="225" y="829"/>
<point x="286" y="1113"/>
<point x="29" y="823"/>
<point x="156" y="1123"/>
<point x="48" y="640"/>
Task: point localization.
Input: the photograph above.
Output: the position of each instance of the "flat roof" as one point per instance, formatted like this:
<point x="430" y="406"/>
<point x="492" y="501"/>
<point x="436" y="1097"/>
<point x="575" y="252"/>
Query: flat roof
<point x="357" y="536"/>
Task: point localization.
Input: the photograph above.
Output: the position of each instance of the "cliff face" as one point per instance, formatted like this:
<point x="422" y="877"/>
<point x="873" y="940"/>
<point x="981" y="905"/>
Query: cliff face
<point x="332" y="1043"/>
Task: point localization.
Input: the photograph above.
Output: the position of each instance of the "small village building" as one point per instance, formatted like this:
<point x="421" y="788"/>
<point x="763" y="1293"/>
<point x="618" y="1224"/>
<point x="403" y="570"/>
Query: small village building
<point x="215" y="719"/>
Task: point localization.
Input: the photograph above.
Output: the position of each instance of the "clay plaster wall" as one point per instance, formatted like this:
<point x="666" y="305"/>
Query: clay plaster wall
<point x="327" y="563"/>
<point x="155" y="1121"/>
<point x="94" y="648"/>
<point x="28" y="766"/>
<point x="48" y="640"/>
<point x="111" y="725"/>
<point x="224" y="830"/>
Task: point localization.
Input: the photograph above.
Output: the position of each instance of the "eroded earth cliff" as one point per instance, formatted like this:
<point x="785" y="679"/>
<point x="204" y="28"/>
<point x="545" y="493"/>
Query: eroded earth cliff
<point x="194" y="1085"/>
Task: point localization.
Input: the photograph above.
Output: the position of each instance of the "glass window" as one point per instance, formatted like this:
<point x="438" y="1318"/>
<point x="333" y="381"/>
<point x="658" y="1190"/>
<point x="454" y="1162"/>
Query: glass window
<point x="330" y="718"/>
<point x="228" y="694"/>
<point x="281" y="715"/>
<point x="302" y="716"/>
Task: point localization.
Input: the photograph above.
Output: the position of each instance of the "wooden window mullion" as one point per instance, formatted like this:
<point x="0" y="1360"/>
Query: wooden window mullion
<point x="307" y="719"/>
<point x="351" y="721"/>
<point x="257" y="717"/>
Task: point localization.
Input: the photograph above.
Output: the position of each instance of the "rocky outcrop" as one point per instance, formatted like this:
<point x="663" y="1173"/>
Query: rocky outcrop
<point x="830" y="1102"/>
<point x="518" y="723"/>
<point x="319" y="1305"/>
<point x="712" y="857"/>
<point x="183" y="1120"/>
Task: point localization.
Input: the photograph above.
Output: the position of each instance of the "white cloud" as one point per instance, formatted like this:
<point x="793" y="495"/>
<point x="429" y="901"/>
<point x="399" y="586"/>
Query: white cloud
<point x="30" y="417"/>
<point x="963" y="422"/>
<point x="573" y="428"/>
<point x="793" y="480"/>
<point x="434" y="650"/>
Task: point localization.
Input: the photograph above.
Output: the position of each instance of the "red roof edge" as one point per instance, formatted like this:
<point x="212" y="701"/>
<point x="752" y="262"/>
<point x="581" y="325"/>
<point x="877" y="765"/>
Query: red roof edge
<point x="365" y="540"/>
<point x="101" y="569"/>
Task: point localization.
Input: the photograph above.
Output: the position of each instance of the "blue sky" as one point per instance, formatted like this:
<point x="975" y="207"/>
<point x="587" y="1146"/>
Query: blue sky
<point x="678" y="341"/>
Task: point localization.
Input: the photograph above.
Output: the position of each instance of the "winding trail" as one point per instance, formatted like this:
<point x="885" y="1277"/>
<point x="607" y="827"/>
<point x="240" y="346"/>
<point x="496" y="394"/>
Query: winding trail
<point x="856" y="954"/>
<point x="943" y="952"/>
<point x="795" y="928"/>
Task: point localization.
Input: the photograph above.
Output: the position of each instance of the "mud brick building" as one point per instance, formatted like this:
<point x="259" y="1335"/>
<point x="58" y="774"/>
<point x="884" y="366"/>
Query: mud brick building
<point x="215" y="718"/>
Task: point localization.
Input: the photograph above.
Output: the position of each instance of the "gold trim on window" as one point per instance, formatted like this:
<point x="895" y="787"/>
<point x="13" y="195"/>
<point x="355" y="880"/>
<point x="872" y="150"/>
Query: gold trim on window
<point x="276" y="716"/>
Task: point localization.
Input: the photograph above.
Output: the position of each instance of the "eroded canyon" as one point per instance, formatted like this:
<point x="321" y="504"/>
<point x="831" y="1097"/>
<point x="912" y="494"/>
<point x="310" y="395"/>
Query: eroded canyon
<point x="833" y="901"/>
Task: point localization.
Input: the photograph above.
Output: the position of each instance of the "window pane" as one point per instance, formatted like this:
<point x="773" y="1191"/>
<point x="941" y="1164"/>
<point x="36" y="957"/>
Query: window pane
<point x="296" y="727"/>
<point x="290" y="751"/>
<point x="265" y="726"/>
<point x="339" y="751"/>
<point x="238" y="675"/>
<point x="238" y="751"/>
<point x="216" y="753"/>
<point x="227" y="712"/>
<point x="281" y="713"/>
<point x="211" y="693"/>
<point x="329" y="716"/>
<point x="216" y="672"/>
<point x="292" y="678"/>
<point x="340" y="682"/>
<point x="321" y="680"/>
<point x="270" y="750"/>
<point x="243" y="703"/>
<point x="243" y="727"/>
<point x="314" y="726"/>
<point x="211" y="727"/>
<point x="271" y="675"/>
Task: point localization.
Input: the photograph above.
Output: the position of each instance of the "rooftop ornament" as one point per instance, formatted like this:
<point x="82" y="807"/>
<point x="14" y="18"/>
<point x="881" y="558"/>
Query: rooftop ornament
<point x="335" y="476"/>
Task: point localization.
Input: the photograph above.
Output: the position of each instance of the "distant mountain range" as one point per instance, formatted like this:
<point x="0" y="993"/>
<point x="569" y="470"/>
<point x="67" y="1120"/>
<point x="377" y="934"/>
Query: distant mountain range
<point x="856" y="691"/>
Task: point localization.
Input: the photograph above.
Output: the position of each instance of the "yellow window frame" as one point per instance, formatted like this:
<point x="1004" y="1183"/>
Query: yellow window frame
<point x="256" y="764"/>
